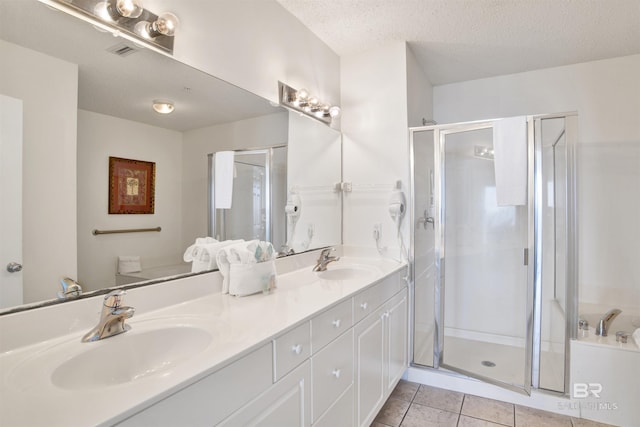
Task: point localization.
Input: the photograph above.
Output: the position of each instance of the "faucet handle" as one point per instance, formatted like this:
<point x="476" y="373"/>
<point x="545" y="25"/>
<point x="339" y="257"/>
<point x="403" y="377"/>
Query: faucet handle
<point x="114" y="298"/>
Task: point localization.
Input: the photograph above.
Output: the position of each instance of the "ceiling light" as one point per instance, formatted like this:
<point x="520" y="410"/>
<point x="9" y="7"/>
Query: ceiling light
<point x="163" y="106"/>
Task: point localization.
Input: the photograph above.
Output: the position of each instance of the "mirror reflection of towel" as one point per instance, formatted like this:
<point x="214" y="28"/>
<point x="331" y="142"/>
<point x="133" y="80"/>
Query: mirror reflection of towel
<point x="510" y="160"/>
<point x="223" y="179"/>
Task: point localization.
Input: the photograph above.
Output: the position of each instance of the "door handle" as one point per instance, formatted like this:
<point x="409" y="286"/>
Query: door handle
<point x="14" y="267"/>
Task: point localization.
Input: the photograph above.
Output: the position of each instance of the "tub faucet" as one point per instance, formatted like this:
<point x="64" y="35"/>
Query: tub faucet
<point x="112" y="317"/>
<point x="325" y="259"/>
<point x="604" y="323"/>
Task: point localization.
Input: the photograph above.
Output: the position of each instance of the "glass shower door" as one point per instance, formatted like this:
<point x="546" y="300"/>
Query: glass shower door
<point x="485" y="284"/>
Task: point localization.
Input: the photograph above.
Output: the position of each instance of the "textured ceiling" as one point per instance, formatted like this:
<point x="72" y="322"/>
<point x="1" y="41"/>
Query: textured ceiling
<point x="457" y="40"/>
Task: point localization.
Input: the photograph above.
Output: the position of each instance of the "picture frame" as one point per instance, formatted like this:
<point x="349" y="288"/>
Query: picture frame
<point x="131" y="186"/>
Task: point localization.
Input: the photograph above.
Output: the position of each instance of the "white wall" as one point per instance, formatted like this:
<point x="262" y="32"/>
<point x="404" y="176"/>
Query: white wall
<point x="313" y="169"/>
<point x="606" y="96"/>
<point x="49" y="149"/>
<point x="253" y="44"/>
<point x="101" y="136"/>
<point x="383" y="92"/>
<point x="257" y="132"/>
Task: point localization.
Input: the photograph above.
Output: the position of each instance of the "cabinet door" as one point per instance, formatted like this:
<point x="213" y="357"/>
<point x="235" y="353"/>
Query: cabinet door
<point x="370" y="383"/>
<point x="397" y="356"/>
<point x="285" y="404"/>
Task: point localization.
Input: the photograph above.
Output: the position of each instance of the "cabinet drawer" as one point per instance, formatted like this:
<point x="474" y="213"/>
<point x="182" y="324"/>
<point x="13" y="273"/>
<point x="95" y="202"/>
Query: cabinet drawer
<point x="290" y="350"/>
<point x="329" y="325"/>
<point x="213" y="398"/>
<point x="331" y="373"/>
<point x="368" y="300"/>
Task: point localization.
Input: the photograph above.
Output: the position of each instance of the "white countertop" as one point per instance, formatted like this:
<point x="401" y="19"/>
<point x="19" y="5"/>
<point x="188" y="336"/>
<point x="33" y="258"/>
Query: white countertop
<point x="238" y="326"/>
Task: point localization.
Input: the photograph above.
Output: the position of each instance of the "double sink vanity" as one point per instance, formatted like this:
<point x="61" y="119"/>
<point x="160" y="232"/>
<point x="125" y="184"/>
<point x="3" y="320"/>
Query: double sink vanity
<point x="325" y="348"/>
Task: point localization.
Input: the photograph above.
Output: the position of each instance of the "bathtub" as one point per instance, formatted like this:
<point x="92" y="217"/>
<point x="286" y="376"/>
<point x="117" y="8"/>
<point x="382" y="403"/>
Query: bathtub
<point x="604" y="373"/>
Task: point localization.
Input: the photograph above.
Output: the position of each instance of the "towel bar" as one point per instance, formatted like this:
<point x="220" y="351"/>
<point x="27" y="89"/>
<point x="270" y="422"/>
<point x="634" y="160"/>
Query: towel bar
<point x="130" y="230"/>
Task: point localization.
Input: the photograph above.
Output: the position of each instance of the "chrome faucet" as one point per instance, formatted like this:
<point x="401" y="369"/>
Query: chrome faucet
<point x="112" y="317"/>
<point x="325" y="259"/>
<point x="604" y="323"/>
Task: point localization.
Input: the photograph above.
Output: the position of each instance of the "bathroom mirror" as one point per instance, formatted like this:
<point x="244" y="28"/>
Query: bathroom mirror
<point x="87" y="96"/>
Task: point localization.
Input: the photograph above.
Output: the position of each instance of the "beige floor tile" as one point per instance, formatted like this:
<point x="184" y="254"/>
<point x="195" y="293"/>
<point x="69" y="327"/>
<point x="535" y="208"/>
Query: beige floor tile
<point x="529" y="417"/>
<point x="377" y="424"/>
<point x="581" y="422"/>
<point x="488" y="409"/>
<point x="392" y="412"/>
<point x="475" y="422"/>
<point x="425" y="416"/>
<point x="405" y="390"/>
<point x="439" y="398"/>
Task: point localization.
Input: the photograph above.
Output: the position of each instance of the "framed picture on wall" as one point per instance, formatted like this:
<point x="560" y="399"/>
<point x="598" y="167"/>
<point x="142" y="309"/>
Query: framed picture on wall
<point x="131" y="186"/>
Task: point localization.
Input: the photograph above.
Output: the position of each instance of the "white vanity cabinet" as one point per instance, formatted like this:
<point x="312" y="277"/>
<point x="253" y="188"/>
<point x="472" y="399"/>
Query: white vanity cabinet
<point x="381" y="356"/>
<point x="334" y="369"/>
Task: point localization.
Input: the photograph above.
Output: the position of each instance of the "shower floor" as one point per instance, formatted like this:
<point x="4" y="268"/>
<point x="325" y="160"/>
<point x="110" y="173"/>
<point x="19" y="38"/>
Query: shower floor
<point x="508" y="361"/>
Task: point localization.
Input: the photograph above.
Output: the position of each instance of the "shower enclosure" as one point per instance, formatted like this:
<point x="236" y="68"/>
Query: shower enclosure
<point x="494" y="285"/>
<point x="258" y="200"/>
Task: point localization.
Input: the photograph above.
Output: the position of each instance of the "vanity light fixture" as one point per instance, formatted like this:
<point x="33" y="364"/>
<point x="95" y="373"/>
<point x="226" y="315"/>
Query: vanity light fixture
<point x="126" y="18"/>
<point x="301" y="101"/>
<point x="163" y="106"/>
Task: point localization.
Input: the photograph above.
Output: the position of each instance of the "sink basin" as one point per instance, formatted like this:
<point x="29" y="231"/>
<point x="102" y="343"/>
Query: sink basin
<point x="347" y="272"/>
<point x="130" y="357"/>
<point x="150" y="349"/>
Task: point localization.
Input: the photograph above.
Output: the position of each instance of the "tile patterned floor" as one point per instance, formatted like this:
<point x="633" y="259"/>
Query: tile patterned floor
<point x="416" y="405"/>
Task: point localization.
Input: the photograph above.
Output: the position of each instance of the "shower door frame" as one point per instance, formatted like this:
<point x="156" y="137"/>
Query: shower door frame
<point x="571" y="273"/>
<point x="440" y="132"/>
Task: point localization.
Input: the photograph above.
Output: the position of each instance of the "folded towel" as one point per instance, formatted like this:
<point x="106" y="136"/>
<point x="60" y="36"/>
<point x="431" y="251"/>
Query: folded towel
<point x="510" y="160"/>
<point x="223" y="179"/>
<point x="237" y="264"/>
<point x="129" y="264"/>
<point x="204" y="256"/>
<point x="188" y="254"/>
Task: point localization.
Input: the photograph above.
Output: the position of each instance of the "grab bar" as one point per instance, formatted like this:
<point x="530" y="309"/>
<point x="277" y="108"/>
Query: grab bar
<point x="130" y="230"/>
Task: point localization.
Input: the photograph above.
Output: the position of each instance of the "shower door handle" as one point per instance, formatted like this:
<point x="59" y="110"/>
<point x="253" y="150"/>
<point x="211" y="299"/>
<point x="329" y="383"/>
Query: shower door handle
<point x="526" y="256"/>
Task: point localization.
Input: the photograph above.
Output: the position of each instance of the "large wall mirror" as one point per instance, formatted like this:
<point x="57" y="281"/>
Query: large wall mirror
<point x="83" y="96"/>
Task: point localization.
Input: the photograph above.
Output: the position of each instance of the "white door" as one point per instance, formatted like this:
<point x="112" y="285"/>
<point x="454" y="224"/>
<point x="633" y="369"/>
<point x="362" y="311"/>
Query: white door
<point x="10" y="201"/>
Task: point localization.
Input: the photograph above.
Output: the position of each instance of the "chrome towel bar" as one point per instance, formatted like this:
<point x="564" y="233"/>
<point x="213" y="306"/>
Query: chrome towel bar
<point x="130" y="230"/>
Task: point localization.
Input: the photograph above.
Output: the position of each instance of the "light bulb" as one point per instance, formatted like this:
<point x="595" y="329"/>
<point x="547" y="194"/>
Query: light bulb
<point x="163" y="106"/>
<point x="166" y="25"/>
<point x="302" y="94"/>
<point x="101" y="10"/>
<point x="334" y="111"/>
<point x="313" y="101"/>
<point x="129" y="8"/>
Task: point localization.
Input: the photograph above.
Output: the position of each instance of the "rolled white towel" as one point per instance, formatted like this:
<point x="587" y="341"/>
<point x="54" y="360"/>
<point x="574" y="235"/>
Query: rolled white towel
<point x="189" y="253"/>
<point x="232" y="254"/>
<point x="204" y="256"/>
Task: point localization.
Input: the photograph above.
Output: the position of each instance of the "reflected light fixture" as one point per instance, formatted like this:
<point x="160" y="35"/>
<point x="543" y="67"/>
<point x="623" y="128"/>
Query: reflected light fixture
<point x="302" y="102"/>
<point x="124" y="17"/>
<point x="163" y="106"/>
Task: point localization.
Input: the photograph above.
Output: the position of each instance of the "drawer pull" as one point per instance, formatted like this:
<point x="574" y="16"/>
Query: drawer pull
<point x="297" y="349"/>
<point x="336" y="323"/>
<point x="364" y="305"/>
<point x="336" y="373"/>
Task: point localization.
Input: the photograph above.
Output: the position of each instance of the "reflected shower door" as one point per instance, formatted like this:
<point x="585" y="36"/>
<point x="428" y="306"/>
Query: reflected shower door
<point x="484" y="278"/>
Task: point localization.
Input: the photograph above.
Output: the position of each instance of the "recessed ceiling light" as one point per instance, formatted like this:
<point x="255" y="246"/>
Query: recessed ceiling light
<point x="163" y="106"/>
